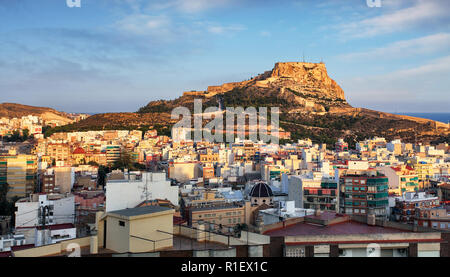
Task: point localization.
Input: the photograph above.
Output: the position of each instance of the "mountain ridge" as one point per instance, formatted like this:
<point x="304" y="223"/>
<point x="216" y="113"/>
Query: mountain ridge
<point x="306" y="96"/>
<point x="15" y="110"/>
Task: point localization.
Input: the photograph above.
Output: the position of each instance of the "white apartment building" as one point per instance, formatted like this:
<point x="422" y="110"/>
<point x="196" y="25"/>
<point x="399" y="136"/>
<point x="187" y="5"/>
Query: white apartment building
<point x="61" y="210"/>
<point x="130" y="192"/>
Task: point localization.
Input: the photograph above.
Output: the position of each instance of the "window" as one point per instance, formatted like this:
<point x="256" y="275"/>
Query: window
<point x="121" y="223"/>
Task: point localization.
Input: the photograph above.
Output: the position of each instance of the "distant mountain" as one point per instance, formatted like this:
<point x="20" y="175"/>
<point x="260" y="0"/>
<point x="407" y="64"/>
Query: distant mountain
<point x="13" y="110"/>
<point x="311" y="103"/>
<point x="120" y="121"/>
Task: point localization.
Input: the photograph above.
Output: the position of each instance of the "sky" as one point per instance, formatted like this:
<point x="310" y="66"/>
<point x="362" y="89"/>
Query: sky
<point x="118" y="55"/>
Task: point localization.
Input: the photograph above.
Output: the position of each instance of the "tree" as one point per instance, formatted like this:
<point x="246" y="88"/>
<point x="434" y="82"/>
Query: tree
<point x="15" y="136"/>
<point x="6" y="206"/>
<point x="4" y="188"/>
<point x="25" y="134"/>
<point x="101" y="178"/>
<point x="92" y="163"/>
<point x="124" y="161"/>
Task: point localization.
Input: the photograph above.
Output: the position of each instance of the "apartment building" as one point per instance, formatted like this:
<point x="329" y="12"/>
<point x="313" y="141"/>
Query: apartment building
<point x="324" y="198"/>
<point x="402" y="178"/>
<point x="226" y="215"/>
<point x="362" y="191"/>
<point x="19" y="172"/>
<point x="433" y="217"/>
<point x="406" y="205"/>
<point x="48" y="182"/>
<point x="59" y="151"/>
<point x="423" y="170"/>
<point x="131" y="189"/>
<point x="341" y="146"/>
<point x="29" y="211"/>
<point x="112" y="153"/>
<point x="336" y="235"/>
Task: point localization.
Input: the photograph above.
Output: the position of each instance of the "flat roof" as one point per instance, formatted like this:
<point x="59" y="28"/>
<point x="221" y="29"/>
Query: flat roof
<point x="344" y="228"/>
<point x="140" y="211"/>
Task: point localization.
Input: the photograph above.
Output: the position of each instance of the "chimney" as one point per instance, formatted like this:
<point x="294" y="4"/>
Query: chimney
<point x="371" y="219"/>
<point x="317" y="212"/>
<point x="93" y="245"/>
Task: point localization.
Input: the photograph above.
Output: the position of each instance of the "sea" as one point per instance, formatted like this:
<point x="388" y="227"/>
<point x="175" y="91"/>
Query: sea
<point x="442" y="117"/>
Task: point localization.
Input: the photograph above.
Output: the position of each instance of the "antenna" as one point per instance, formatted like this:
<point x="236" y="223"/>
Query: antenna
<point x="145" y="193"/>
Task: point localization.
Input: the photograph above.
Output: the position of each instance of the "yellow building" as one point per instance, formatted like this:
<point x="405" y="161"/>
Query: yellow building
<point x="79" y="156"/>
<point x="401" y="179"/>
<point x="424" y="172"/>
<point x="58" y="151"/>
<point x="136" y="230"/>
<point x="19" y="172"/>
<point x="209" y="157"/>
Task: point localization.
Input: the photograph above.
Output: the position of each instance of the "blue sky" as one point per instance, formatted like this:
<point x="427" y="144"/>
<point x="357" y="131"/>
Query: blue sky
<point x="117" y="55"/>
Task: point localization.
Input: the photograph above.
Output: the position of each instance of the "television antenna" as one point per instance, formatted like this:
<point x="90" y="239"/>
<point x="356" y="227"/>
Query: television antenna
<point x="146" y="194"/>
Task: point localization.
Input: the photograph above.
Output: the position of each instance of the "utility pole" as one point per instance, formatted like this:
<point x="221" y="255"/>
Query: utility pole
<point x="44" y="211"/>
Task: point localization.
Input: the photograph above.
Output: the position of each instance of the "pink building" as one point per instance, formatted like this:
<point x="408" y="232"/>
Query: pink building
<point x="90" y="200"/>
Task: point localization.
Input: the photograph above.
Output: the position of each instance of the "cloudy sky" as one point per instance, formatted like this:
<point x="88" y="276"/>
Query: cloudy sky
<point x="117" y="55"/>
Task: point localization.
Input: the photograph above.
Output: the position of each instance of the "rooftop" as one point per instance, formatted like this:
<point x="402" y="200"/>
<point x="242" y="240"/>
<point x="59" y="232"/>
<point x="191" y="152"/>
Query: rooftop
<point x="225" y="206"/>
<point x="344" y="228"/>
<point x="326" y="216"/>
<point x="57" y="226"/>
<point x="140" y="211"/>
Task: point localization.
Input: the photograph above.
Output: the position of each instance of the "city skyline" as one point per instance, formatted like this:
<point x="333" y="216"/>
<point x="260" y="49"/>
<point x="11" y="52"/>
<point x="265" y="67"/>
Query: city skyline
<point x="393" y="58"/>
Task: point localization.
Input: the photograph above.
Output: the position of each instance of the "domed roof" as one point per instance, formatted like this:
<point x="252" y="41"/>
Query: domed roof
<point x="261" y="190"/>
<point x="79" y="150"/>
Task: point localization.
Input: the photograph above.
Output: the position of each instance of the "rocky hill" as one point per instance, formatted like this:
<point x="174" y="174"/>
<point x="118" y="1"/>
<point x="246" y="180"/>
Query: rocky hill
<point x="311" y="103"/>
<point x="298" y="86"/>
<point x="13" y="110"/>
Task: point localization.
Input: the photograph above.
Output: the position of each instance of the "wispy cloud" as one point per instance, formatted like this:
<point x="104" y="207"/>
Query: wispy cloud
<point x="398" y="16"/>
<point x="229" y="30"/>
<point x="265" y="33"/>
<point x="188" y="6"/>
<point x="142" y="24"/>
<point x="422" y="88"/>
<point x="404" y="48"/>
<point x="438" y="67"/>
